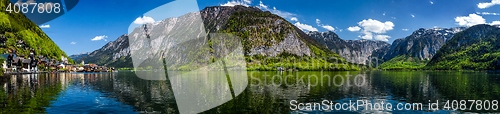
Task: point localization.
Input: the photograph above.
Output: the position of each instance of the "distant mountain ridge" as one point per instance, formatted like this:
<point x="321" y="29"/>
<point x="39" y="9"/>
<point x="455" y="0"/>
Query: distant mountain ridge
<point x="355" y="51"/>
<point x="79" y="56"/>
<point x="422" y="43"/>
<point x="415" y="50"/>
<point x="115" y="53"/>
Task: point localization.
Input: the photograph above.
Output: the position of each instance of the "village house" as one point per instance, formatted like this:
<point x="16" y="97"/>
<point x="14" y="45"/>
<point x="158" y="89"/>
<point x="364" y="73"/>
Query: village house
<point x="22" y="64"/>
<point x="26" y="65"/>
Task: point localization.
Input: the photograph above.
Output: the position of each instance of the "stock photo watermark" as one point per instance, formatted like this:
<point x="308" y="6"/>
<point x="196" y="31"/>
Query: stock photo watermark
<point x="322" y="79"/>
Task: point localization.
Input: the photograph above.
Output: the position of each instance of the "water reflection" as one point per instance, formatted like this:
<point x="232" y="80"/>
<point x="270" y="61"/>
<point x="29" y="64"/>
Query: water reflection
<point x="380" y="86"/>
<point x="27" y="93"/>
<point x="145" y="95"/>
<point x="267" y="92"/>
<point x="80" y="94"/>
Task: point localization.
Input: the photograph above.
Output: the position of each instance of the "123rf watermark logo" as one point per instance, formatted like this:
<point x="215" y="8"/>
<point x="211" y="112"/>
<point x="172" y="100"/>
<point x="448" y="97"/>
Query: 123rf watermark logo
<point x="204" y="69"/>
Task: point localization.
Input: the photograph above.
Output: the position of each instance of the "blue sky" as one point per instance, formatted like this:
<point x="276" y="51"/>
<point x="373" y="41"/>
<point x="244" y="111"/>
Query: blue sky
<point x="91" y="24"/>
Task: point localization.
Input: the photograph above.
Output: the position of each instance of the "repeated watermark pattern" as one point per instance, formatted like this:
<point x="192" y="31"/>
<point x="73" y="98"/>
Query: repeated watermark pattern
<point x="205" y="70"/>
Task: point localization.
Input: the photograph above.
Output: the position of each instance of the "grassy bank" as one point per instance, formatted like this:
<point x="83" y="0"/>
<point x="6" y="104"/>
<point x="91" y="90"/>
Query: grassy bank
<point x="257" y="63"/>
<point x="403" y="63"/>
<point x="302" y="64"/>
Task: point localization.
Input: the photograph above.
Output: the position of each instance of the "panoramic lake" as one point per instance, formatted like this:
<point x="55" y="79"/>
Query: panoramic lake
<point x="266" y="92"/>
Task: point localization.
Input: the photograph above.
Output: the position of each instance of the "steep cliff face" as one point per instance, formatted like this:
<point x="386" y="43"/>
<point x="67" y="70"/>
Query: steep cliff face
<point x="355" y="51"/>
<point x="266" y="34"/>
<point x="370" y="50"/>
<point x="421" y="44"/>
<point x="262" y="34"/>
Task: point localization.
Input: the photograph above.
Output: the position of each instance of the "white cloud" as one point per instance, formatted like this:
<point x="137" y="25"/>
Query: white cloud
<point x="294" y="19"/>
<point x="376" y="26"/>
<point x="248" y="1"/>
<point x="238" y="2"/>
<point x="431" y="2"/>
<point x="382" y="37"/>
<point x="404" y="29"/>
<point x="487" y="13"/>
<point x="354" y="28"/>
<point x="495" y="23"/>
<point x="413" y="16"/>
<point x="367" y="35"/>
<point x="472" y="19"/>
<point x="262" y="5"/>
<point x="328" y="27"/>
<point x="144" y="20"/>
<point x="305" y="27"/>
<point x="44" y="26"/>
<point x="283" y="14"/>
<point x="97" y="38"/>
<point x="484" y="5"/>
<point x="73" y="43"/>
<point x="373" y="29"/>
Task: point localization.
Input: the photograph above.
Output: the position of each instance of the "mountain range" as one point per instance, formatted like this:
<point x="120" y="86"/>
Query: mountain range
<point x="79" y="56"/>
<point x="422" y="44"/>
<point x="355" y="51"/>
<point x="266" y="36"/>
<point x="476" y="48"/>
<point x="115" y="53"/>
<point x="414" y="51"/>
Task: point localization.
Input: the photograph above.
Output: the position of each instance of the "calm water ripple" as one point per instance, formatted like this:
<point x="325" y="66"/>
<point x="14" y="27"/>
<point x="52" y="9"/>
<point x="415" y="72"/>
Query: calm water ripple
<point x="267" y="92"/>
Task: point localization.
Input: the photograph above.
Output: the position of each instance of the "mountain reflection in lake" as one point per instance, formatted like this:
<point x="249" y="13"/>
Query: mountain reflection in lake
<point x="267" y="92"/>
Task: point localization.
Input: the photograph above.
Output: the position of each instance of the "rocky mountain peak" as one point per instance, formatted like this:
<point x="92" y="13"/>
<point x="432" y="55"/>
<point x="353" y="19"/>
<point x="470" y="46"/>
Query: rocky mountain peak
<point x="355" y="51"/>
<point x="110" y="53"/>
<point x="422" y="43"/>
<point x="327" y="34"/>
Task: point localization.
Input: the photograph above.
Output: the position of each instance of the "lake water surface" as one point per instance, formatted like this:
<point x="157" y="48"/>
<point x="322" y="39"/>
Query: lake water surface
<point x="266" y="92"/>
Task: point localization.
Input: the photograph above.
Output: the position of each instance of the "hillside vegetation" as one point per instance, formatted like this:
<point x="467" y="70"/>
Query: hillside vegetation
<point x="17" y="32"/>
<point x="477" y="48"/>
<point x="258" y="28"/>
<point x="403" y="62"/>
